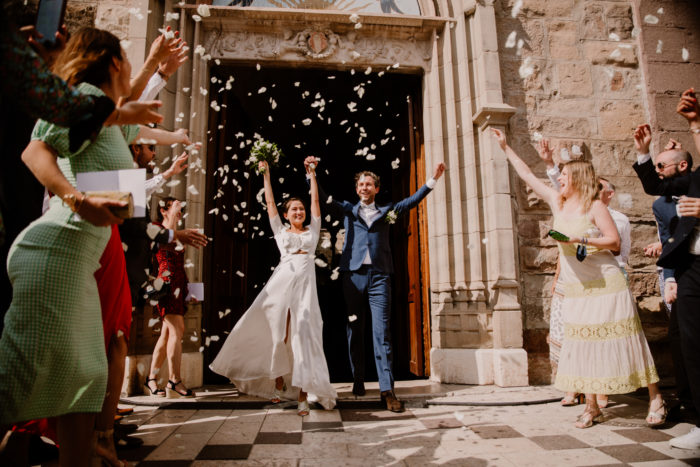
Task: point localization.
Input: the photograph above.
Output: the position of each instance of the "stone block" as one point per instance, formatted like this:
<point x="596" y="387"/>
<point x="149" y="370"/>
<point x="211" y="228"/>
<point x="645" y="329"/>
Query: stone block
<point x="673" y="40"/>
<point x="666" y="117"/>
<point x="564" y="107"/>
<point x="537" y="310"/>
<point x="563" y="40"/>
<point x="538" y="81"/>
<point x="507" y="329"/>
<point x="531" y="32"/>
<point x="538" y="258"/>
<point x="610" y="53"/>
<point x="652" y="304"/>
<point x="539" y="369"/>
<point x="644" y="284"/>
<point x="510" y="367"/>
<point x="461" y="366"/>
<point x="535" y="340"/>
<point x="672" y="78"/>
<point x="621" y="26"/>
<point x="571" y="127"/>
<point x="618" y="10"/>
<point x="558" y="9"/>
<point x="593" y="21"/>
<point x="618" y="119"/>
<point x="79" y="16"/>
<point x="616" y="82"/>
<point x="574" y="79"/>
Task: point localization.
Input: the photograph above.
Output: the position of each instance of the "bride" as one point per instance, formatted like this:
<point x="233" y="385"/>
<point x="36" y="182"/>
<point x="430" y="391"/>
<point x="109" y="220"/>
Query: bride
<point x="279" y="339"/>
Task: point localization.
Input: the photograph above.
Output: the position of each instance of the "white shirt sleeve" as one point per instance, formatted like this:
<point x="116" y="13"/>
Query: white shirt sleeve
<point x="553" y="175"/>
<point x="154" y="86"/>
<point x="153" y="183"/>
<point x="431" y="183"/>
<point x="642" y="158"/>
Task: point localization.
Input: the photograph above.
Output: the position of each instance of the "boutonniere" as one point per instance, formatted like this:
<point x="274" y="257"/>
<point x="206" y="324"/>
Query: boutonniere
<point x="391" y="217"/>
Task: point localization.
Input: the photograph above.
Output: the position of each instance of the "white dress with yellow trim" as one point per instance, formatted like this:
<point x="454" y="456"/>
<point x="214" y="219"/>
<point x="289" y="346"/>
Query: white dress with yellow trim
<point x="604" y="349"/>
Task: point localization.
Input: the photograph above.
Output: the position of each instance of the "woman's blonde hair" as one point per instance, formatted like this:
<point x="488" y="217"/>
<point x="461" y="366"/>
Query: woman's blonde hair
<point x="583" y="182"/>
<point x="88" y="56"/>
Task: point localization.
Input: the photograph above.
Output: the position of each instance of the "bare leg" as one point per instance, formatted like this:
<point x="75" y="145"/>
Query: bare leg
<point x="176" y="329"/>
<point x="657" y="406"/>
<point x="75" y="436"/>
<point x="591" y="413"/>
<point x="159" y="352"/>
<point x="116" y="355"/>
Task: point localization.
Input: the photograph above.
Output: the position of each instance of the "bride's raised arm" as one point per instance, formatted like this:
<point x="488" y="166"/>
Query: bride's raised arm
<point x="269" y="196"/>
<point x="315" y="205"/>
<point x="542" y="190"/>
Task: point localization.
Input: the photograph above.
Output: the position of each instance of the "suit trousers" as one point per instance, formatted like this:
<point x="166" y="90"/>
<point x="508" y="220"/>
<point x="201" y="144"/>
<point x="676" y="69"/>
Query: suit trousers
<point x="674" y="337"/>
<point x="367" y="289"/>
<point x="688" y="309"/>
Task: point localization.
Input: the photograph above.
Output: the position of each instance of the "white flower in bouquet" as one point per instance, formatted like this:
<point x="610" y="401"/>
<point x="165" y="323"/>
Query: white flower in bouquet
<point x="264" y="151"/>
<point x="391" y="217"/>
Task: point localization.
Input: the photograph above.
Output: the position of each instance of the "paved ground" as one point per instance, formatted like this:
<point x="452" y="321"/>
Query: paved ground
<point x="221" y="428"/>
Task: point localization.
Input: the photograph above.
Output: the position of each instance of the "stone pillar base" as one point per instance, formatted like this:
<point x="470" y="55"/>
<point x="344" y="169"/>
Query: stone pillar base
<point x="503" y="367"/>
<point x="137" y="367"/>
<point x="510" y="367"/>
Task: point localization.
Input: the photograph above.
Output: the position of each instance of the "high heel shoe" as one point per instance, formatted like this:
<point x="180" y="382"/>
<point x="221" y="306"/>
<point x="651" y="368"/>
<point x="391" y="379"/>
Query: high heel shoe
<point x="172" y="393"/>
<point x="303" y="408"/>
<point x="570" y="401"/>
<point x="660" y="416"/>
<point x="157" y="392"/>
<point x="588" y="418"/>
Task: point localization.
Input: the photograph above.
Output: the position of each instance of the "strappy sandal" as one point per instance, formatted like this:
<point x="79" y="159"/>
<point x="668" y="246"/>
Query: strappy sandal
<point x="172" y="393"/>
<point x="303" y="408"/>
<point x="570" y="401"/>
<point x="157" y="392"/>
<point x="277" y="394"/>
<point x="587" y="419"/>
<point x="661" y="417"/>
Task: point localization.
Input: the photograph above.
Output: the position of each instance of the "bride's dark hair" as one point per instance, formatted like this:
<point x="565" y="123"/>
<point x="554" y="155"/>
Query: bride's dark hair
<point x="288" y="204"/>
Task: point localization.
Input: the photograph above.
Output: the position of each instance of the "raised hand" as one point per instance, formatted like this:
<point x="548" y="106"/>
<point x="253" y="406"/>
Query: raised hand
<point x="311" y="160"/>
<point x="642" y="138"/>
<point x="653" y="250"/>
<point x="136" y="113"/>
<point x="162" y="48"/>
<point x="439" y="170"/>
<point x="672" y="144"/>
<point x="264" y="168"/>
<point x="178" y="165"/>
<point x="181" y="135"/>
<point x="500" y="138"/>
<point x="47" y="54"/>
<point x="688" y="106"/>
<point x="689" y="207"/>
<point x="545" y="152"/>
<point x="190" y="237"/>
<point x="170" y="65"/>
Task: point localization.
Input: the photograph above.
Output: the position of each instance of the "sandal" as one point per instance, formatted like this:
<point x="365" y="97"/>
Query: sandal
<point x="172" y="393"/>
<point x="154" y="392"/>
<point x="588" y="418"/>
<point x="570" y="401"/>
<point x="659" y="416"/>
<point x="103" y="456"/>
<point x="277" y="394"/>
<point x="303" y="408"/>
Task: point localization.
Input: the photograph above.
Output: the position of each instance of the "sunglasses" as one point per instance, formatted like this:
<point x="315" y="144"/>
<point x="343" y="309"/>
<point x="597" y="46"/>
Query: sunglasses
<point x="662" y="166"/>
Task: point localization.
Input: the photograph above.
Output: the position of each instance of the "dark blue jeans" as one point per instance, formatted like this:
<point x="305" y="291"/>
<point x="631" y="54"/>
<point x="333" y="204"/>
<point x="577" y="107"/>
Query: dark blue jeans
<point x="365" y="289"/>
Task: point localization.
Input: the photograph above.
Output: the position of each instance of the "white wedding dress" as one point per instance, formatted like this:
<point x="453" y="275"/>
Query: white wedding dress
<point x="255" y="353"/>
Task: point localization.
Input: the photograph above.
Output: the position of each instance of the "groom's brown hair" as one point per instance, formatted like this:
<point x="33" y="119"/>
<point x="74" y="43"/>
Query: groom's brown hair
<point x="367" y="173"/>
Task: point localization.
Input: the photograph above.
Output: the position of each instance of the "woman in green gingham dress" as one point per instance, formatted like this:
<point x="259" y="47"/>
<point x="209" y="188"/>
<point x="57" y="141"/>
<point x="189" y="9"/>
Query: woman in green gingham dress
<point x="52" y="354"/>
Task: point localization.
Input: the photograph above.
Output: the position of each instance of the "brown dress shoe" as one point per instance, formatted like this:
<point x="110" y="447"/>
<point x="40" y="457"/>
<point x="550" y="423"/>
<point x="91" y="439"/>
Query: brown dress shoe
<point x="392" y="403"/>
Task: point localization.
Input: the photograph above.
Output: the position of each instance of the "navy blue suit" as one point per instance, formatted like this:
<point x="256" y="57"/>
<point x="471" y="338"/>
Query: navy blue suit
<point x="676" y="254"/>
<point x="369" y="286"/>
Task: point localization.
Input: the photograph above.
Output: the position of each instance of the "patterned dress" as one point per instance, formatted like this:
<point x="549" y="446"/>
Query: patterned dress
<point x="52" y="353"/>
<point x="604" y="349"/>
<point x="171" y="269"/>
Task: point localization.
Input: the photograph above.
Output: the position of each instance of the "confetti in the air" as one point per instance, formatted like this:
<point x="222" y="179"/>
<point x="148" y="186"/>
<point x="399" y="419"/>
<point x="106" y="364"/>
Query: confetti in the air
<point x="169" y="16"/>
<point x="659" y="46"/>
<point x="516" y="8"/>
<point x="203" y="10"/>
<point x="685" y="54"/>
<point x="510" y="41"/>
<point x="352" y="318"/>
<point x="651" y="19"/>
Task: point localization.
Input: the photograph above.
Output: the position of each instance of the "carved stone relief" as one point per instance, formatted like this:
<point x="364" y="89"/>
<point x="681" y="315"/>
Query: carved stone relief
<point x="318" y="44"/>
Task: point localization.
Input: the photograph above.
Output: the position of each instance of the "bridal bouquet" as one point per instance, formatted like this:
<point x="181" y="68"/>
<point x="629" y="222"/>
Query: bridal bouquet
<point x="264" y="151"/>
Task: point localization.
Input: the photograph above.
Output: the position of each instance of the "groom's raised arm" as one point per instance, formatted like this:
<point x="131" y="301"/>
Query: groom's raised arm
<point x="412" y="201"/>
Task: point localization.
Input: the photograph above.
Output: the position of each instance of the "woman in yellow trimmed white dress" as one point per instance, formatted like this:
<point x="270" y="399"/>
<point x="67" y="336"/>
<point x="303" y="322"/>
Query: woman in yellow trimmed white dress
<point x="604" y="349"/>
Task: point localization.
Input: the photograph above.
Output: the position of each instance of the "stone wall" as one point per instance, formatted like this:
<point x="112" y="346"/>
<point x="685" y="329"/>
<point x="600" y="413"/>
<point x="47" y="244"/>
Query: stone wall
<point x="575" y="71"/>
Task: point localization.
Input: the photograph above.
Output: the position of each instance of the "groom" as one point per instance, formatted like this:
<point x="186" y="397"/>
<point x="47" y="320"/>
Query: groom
<point x="366" y="266"/>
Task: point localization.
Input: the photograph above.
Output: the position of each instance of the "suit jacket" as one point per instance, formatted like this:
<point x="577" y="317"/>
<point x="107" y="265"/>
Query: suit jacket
<point x="666" y="219"/>
<point x="140" y="236"/>
<point x="360" y="237"/>
<point x="675" y="249"/>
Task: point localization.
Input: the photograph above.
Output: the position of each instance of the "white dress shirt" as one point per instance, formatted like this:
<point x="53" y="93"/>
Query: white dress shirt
<point x="154" y="86"/>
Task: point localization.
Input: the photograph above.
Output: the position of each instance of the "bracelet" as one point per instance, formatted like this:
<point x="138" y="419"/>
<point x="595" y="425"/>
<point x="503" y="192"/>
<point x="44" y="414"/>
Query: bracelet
<point x="73" y="202"/>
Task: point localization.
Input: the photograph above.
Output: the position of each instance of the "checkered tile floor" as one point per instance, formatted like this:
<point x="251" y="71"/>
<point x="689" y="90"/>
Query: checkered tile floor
<point x="532" y="435"/>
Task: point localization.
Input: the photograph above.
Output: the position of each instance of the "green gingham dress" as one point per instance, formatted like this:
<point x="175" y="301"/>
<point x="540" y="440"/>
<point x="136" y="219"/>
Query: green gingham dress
<point x="52" y="353"/>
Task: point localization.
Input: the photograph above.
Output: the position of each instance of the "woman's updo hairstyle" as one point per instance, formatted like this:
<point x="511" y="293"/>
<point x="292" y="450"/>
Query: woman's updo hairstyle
<point x="288" y="204"/>
<point x="88" y="56"/>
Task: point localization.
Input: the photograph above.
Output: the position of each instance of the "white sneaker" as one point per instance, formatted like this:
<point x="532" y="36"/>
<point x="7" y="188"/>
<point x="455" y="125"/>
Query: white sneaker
<point x="689" y="440"/>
